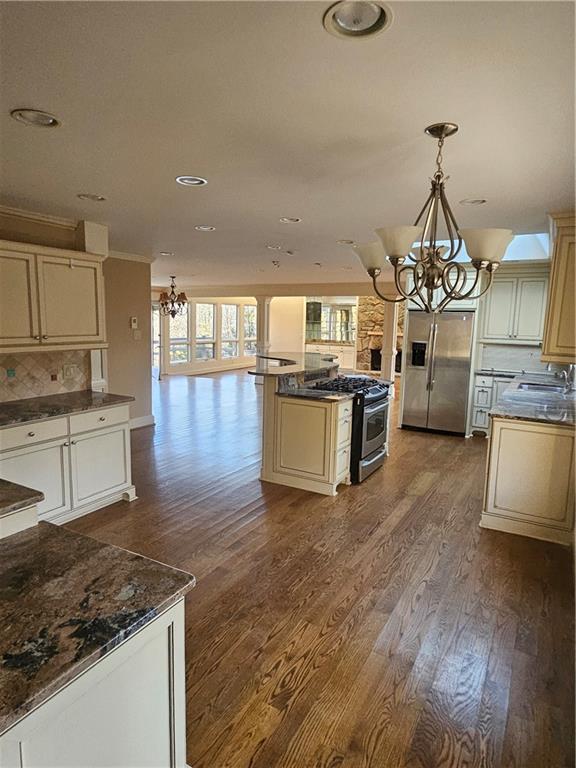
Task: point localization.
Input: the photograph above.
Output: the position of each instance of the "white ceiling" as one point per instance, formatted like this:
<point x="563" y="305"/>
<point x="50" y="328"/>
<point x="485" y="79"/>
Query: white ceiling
<point x="284" y="120"/>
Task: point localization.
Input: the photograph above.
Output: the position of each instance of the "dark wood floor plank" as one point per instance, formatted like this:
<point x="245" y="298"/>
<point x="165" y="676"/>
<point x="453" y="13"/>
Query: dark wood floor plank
<point x="381" y="628"/>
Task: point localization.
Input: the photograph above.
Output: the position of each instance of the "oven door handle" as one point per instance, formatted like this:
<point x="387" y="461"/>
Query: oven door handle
<point x="370" y="409"/>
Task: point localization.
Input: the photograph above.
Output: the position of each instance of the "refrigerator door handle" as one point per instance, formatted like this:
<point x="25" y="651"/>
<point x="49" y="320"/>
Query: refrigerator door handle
<point x="432" y="359"/>
<point x="429" y="356"/>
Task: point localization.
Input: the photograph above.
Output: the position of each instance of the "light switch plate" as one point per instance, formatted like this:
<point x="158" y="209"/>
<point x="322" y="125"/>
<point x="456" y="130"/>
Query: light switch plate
<point x="134" y="323"/>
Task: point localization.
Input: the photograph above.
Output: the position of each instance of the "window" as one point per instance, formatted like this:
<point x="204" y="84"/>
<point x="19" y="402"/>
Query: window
<point x="205" y="332"/>
<point x="155" y="336"/>
<point x="179" y="338"/>
<point x="249" y="330"/>
<point x="229" y="344"/>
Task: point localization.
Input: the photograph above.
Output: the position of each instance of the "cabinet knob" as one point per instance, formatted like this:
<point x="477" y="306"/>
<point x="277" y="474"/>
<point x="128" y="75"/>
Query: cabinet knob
<point x="66" y="445"/>
<point x="31" y="434"/>
<point x="72" y="442"/>
<point x="37" y="338"/>
<point x="44" y="336"/>
<point x="102" y="418"/>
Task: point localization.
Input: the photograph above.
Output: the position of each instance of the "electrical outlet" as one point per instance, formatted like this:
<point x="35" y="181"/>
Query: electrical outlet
<point x="53" y="377"/>
<point x="134" y="323"/>
<point x="137" y="335"/>
<point x="69" y="371"/>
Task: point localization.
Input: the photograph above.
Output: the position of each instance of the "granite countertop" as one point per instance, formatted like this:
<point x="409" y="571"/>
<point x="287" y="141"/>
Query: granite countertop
<point x="65" y="601"/>
<point x="37" y="408"/>
<point x="542" y="406"/>
<point x="317" y="394"/>
<point x="14" y="497"/>
<point x="331" y="343"/>
<point x="285" y="363"/>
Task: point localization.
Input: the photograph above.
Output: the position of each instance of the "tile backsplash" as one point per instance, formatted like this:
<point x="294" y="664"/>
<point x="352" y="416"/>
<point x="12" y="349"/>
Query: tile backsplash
<point x="508" y="357"/>
<point x="29" y="374"/>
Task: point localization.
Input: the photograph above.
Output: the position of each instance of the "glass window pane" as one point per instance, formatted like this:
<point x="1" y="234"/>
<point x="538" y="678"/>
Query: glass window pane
<point x="249" y="348"/>
<point x="179" y="326"/>
<point x="229" y="322"/>
<point x="249" y="322"/>
<point x="205" y="321"/>
<point x="204" y="351"/>
<point x="178" y="353"/>
<point x="229" y="349"/>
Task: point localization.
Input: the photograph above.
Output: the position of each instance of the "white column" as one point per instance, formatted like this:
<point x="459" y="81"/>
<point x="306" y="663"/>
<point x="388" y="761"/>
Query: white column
<point x="263" y="324"/>
<point x="389" y="340"/>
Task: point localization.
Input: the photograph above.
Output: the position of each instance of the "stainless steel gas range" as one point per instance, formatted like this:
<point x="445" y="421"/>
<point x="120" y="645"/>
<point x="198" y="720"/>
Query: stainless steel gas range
<point x="369" y="421"/>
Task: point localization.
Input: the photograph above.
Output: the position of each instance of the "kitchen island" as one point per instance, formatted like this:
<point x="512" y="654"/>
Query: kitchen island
<point x="530" y="468"/>
<point x="305" y="432"/>
<point x="91" y="654"/>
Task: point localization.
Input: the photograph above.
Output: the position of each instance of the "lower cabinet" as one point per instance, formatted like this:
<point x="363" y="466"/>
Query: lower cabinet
<point x="127" y="710"/>
<point x="530" y="480"/>
<point x="311" y="444"/>
<point x="77" y="473"/>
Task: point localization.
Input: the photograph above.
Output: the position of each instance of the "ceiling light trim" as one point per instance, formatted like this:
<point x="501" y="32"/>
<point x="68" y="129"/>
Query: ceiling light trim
<point x="36" y="118"/>
<point x="333" y="19"/>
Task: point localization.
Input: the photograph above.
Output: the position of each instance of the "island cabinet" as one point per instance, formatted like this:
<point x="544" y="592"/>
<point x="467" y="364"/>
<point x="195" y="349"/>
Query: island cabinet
<point x="514" y="309"/>
<point x="80" y="462"/>
<point x="127" y="709"/>
<point x="559" y="344"/>
<point x="50" y="299"/>
<point x="530" y="479"/>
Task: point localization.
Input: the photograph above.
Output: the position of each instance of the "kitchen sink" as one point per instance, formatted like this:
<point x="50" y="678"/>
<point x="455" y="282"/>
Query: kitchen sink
<point x="527" y="386"/>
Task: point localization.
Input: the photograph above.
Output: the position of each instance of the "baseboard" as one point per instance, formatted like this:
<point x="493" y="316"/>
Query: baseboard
<point x="142" y="421"/>
<point x="520" y="528"/>
<point x="125" y="494"/>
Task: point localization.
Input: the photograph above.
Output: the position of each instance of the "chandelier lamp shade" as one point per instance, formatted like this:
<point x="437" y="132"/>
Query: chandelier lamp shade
<point x="426" y="271"/>
<point x="172" y="303"/>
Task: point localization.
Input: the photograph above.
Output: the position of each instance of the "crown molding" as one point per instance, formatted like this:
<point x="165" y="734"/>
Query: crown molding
<point x="39" y="218"/>
<point x="131" y="256"/>
<point x="286" y="289"/>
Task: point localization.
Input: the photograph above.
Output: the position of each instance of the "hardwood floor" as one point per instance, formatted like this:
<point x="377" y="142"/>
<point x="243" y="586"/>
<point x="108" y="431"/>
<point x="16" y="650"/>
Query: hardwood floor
<point x="381" y="628"/>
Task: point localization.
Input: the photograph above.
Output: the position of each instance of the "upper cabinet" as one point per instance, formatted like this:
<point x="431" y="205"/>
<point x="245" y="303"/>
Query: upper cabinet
<point x="49" y="300"/>
<point x="559" y="344"/>
<point x="514" y="308"/>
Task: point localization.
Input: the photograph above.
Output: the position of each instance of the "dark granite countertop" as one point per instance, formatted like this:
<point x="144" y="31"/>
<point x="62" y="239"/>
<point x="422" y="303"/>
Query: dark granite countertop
<point x="14" y="497"/>
<point x="286" y="363"/>
<point x="37" y="408"/>
<point x="65" y="601"/>
<point x="536" y="405"/>
<point x="317" y="394"/>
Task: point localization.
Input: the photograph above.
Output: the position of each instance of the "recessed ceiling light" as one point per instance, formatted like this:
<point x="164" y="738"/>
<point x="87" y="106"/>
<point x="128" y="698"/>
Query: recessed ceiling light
<point x="204" y="228"/>
<point x="191" y="181"/>
<point x="289" y="253"/>
<point x="353" y="20"/>
<point x="345" y="242"/>
<point x="290" y="220"/>
<point x="91" y="197"/>
<point x="317" y="264"/>
<point x="473" y="201"/>
<point x="274" y="247"/>
<point x="35" y="117"/>
<point x="166" y="253"/>
<point x="276" y="263"/>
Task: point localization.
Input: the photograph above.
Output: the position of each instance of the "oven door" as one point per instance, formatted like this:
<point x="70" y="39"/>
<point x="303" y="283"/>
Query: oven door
<point x="375" y="427"/>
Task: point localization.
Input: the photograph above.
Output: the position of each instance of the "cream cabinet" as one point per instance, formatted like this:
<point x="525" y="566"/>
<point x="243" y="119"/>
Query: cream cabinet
<point x="559" y="344"/>
<point x="50" y="299"/>
<point x="514" y="309"/>
<point x="306" y="441"/>
<point x="487" y="392"/>
<point x="128" y="709"/>
<point x="87" y="467"/>
<point x="345" y="353"/>
<point x="530" y="480"/>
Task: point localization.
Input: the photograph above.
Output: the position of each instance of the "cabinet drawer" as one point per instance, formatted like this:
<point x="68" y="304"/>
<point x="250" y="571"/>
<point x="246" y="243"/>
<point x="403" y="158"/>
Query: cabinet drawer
<point x="480" y="418"/>
<point x="342" y="462"/>
<point x="344" y="431"/>
<point x="482" y="396"/>
<point x="345" y="409"/>
<point x="103" y="417"/>
<point x="483" y="381"/>
<point x="33" y="432"/>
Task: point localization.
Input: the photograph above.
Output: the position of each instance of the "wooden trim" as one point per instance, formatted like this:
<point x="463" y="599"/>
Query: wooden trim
<point x="131" y="257"/>
<point x="39" y="218"/>
<point x="47" y="250"/>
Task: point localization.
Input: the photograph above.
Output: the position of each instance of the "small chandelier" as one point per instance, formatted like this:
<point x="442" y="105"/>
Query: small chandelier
<point x="172" y="303"/>
<point x="434" y="277"/>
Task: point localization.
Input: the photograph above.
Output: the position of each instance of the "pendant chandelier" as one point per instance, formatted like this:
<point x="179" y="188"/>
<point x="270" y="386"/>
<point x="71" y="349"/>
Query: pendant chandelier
<point x="434" y="278"/>
<point x="172" y="303"/>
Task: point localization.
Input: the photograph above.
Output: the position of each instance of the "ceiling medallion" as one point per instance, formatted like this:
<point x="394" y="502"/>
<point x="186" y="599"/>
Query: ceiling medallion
<point x="172" y="303"/>
<point x="435" y="278"/>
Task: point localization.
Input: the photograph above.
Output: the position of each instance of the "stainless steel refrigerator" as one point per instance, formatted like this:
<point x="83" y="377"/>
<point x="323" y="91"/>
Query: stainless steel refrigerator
<point x="437" y="370"/>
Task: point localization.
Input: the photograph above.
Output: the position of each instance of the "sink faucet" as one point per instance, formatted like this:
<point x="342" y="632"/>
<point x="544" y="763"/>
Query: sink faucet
<point x="568" y="378"/>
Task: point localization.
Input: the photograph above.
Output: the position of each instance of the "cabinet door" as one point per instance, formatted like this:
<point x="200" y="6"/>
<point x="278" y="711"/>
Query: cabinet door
<point x="44" y="467"/>
<point x="530" y="308"/>
<point x="100" y="463"/>
<point x="499" y="309"/>
<point x="559" y="337"/>
<point x="480" y="418"/>
<point x="499" y="386"/>
<point x="71" y="300"/>
<point x="18" y="300"/>
<point x="303" y="438"/>
<point x="482" y="396"/>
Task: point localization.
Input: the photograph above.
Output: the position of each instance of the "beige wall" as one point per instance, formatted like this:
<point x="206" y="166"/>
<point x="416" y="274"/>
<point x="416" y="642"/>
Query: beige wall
<point x="127" y="287"/>
<point x="287" y="323"/>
